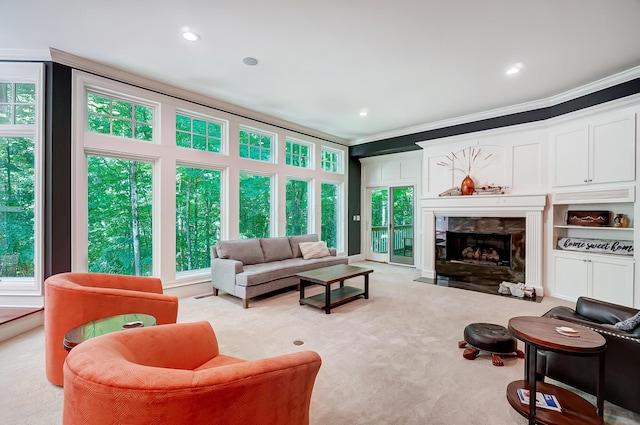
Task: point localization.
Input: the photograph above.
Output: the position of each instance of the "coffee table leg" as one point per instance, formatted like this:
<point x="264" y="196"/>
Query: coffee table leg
<point x="327" y="299"/>
<point x="302" y="285"/>
<point x="366" y="286"/>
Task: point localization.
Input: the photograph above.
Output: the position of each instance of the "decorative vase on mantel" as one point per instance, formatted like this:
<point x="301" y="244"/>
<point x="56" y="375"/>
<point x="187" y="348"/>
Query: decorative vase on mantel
<point x="467" y="187"/>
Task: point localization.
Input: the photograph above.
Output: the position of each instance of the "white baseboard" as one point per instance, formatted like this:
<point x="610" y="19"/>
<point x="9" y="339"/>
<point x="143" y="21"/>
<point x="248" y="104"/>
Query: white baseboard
<point x="23" y="324"/>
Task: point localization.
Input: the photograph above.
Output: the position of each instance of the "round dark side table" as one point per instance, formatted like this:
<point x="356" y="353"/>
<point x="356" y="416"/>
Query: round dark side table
<point x="540" y="333"/>
<point x="104" y="326"/>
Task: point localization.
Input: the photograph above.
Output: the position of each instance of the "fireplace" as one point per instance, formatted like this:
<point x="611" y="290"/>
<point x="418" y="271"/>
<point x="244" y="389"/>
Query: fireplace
<point x="518" y="216"/>
<point x="482" y="249"/>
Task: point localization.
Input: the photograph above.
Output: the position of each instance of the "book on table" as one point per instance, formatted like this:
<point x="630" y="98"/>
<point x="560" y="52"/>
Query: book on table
<point x="545" y="401"/>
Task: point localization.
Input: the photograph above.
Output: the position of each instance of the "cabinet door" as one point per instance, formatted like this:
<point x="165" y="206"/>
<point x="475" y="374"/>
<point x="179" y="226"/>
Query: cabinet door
<point x="612" y="280"/>
<point x="613" y="153"/>
<point x="570" y="156"/>
<point x="571" y="276"/>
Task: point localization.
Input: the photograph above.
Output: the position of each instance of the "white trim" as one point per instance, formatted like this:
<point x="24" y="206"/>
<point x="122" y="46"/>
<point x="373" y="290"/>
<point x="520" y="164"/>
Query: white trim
<point x="592" y="87"/>
<point x="25" y="54"/>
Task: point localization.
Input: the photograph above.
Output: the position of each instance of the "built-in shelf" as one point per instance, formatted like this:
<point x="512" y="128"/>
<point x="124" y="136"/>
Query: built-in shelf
<point x="569" y="226"/>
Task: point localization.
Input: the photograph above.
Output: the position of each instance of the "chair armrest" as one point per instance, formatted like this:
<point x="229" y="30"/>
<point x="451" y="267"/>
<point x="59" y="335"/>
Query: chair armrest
<point x="604" y="329"/>
<point x="223" y="274"/>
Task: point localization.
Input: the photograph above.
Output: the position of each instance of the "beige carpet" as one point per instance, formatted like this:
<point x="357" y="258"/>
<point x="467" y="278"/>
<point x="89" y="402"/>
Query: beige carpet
<point x="392" y="359"/>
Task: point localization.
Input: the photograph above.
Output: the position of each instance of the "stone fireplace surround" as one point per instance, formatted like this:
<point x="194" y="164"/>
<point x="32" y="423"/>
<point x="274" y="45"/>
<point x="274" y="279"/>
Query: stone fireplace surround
<point x="530" y="207"/>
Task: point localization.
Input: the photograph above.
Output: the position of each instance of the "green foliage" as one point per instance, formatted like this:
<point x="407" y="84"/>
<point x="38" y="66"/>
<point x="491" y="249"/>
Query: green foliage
<point x="297" y="210"/>
<point x="255" y="206"/>
<point x="17" y="199"/>
<point x="255" y="146"/>
<point x="17" y="103"/>
<point x="197" y="216"/>
<point x="329" y="205"/>
<point x="119" y="118"/>
<point x="402" y="206"/>
<point x="379" y="208"/>
<point x="198" y="134"/>
<point x="119" y="216"/>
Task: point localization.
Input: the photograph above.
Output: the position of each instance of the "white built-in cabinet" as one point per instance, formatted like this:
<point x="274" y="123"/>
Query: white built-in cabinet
<point x="607" y="277"/>
<point x="603" y="277"/>
<point x="599" y="150"/>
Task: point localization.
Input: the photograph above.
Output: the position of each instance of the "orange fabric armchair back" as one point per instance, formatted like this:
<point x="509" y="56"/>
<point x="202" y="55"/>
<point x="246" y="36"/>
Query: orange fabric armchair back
<point x="175" y="374"/>
<point x="72" y="299"/>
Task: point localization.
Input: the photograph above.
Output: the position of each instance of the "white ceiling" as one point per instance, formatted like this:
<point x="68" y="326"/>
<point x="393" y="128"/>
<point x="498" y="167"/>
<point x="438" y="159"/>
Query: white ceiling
<point x="407" y="62"/>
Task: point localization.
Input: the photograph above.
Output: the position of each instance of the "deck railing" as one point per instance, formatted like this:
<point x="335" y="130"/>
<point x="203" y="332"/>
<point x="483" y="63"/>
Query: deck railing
<point x="402" y="239"/>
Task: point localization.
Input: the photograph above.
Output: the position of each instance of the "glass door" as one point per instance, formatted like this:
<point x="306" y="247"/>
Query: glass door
<point x="378" y="243"/>
<point x="390" y="225"/>
<point x="401" y="213"/>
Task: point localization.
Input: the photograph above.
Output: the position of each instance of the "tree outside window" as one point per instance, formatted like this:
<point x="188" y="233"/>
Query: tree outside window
<point x="329" y="193"/>
<point x="119" y="216"/>
<point x="297" y="207"/>
<point x="17" y="176"/>
<point x="255" y="145"/>
<point x="255" y="206"/>
<point x="197" y="216"/>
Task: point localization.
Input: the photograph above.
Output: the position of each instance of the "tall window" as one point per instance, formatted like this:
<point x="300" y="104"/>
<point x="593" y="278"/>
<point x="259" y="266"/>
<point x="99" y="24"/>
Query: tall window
<point x="197" y="216"/>
<point x="119" y="216"/>
<point x="330" y="202"/>
<point x="331" y="160"/>
<point x="196" y="133"/>
<point x="255" y="206"/>
<point x="17" y="200"/>
<point x="256" y="145"/>
<point x="298" y="154"/>
<point x="107" y="115"/>
<point x="21" y="164"/>
<point x="297" y="207"/>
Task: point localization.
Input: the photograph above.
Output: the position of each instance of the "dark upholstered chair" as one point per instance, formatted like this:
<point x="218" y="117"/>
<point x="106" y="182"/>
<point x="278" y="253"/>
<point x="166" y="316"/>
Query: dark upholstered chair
<point x="622" y="368"/>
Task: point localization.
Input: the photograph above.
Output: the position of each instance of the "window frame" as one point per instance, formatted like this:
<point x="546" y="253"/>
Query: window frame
<point x="224" y="131"/>
<point x="310" y="146"/>
<point x="29" y="289"/>
<point x="339" y="160"/>
<point x="273" y="151"/>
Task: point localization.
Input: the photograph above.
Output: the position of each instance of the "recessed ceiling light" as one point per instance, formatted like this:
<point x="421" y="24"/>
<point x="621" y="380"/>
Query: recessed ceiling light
<point x="250" y="61"/>
<point x="190" y="36"/>
<point x="514" y="69"/>
<point x="363" y="113"/>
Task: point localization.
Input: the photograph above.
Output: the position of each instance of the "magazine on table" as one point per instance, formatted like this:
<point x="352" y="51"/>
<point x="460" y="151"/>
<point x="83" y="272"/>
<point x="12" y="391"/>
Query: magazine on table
<point x="545" y="401"/>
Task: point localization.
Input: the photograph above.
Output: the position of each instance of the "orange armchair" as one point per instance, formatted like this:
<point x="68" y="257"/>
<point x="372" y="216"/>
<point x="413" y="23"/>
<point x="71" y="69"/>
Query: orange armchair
<point x="175" y="374"/>
<point x="72" y="299"/>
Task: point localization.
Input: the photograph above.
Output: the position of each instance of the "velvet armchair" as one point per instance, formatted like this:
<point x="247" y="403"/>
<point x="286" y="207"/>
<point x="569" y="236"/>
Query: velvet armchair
<point x="175" y="374"/>
<point x="72" y="299"/>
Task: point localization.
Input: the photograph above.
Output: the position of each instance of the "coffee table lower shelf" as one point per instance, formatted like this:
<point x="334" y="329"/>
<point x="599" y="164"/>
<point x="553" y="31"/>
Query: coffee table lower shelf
<point x="575" y="409"/>
<point x="339" y="296"/>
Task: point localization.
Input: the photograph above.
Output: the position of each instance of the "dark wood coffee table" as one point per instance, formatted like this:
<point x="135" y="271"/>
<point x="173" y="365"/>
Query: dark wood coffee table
<point x="540" y="333"/>
<point x="326" y="276"/>
<point x="106" y="325"/>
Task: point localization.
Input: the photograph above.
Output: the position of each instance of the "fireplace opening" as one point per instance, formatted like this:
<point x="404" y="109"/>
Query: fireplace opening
<point x="484" y="249"/>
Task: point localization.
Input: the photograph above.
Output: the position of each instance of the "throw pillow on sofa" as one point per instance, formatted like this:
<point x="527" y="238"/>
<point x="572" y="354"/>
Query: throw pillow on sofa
<point x="314" y="250"/>
<point x="630" y="324"/>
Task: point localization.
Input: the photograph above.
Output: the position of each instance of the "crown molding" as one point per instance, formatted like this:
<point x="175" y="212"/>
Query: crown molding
<point x="25" y="55"/>
<point x="127" y="77"/>
<point x="575" y="93"/>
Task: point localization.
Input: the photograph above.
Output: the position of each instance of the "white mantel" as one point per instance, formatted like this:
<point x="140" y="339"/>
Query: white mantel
<point x="530" y="207"/>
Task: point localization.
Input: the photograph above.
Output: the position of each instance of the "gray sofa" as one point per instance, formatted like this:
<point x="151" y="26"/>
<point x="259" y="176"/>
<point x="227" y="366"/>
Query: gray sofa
<point x="251" y="267"/>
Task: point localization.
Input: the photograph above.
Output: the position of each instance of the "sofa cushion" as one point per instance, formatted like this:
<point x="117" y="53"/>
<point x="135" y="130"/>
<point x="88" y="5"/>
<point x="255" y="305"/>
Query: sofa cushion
<point x="247" y="250"/>
<point x="313" y="250"/>
<point x="295" y="241"/>
<point x="258" y="274"/>
<point x="276" y="249"/>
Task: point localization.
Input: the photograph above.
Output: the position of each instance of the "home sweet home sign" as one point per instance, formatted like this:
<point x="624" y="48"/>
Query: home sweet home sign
<point x="600" y="246"/>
